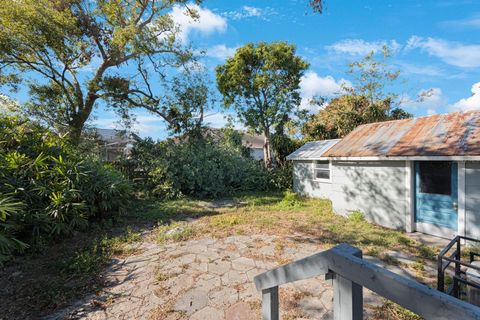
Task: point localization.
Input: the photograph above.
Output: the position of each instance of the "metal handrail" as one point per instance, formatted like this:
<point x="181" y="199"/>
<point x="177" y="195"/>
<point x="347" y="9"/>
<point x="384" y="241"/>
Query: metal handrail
<point x="350" y="273"/>
<point x="444" y="261"/>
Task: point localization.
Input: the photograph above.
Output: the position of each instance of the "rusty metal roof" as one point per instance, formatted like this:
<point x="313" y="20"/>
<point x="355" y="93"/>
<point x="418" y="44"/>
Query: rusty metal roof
<point x="452" y="134"/>
<point x="312" y="150"/>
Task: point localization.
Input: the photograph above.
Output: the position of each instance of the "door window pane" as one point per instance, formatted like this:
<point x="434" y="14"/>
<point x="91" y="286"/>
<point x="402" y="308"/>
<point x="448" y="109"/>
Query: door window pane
<point x="436" y="177"/>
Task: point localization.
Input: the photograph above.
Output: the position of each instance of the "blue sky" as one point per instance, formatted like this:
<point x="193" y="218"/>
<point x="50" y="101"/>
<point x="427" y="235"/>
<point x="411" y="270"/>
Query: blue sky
<point x="436" y="46"/>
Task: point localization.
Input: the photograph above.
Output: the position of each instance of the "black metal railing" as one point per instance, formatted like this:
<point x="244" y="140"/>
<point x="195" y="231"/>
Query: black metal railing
<point x="445" y="260"/>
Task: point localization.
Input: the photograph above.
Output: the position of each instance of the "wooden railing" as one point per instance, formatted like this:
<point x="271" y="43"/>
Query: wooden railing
<point x="344" y="265"/>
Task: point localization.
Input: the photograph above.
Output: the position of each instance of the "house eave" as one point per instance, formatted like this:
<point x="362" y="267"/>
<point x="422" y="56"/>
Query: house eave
<point x="393" y="158"/>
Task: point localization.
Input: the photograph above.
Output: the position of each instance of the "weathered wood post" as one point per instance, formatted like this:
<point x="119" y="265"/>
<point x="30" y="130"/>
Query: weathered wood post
<point x="270" y="306"/>
<point x="347" y="297"/>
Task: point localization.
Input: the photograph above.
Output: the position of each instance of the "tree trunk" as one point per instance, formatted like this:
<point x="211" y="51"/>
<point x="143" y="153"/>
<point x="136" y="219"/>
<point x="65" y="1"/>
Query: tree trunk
<point x="267" y="154"/>
<point x="75" y="134"/>
<point x="78" y="121"/>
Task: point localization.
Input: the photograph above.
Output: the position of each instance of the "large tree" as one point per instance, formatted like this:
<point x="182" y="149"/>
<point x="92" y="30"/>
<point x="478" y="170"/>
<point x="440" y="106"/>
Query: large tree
<point x="261" y="81"/>
<point x="74" y="53"/>
<point x="369" y="99"/>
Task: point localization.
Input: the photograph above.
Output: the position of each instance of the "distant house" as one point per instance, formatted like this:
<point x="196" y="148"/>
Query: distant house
<point x="419" y="174"/>
<point x="114" y="143"/>
<point x="254" y="143"/>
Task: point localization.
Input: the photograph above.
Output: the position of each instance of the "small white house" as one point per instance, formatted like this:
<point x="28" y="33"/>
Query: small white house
<point x="419" y="174"/>
<point x="114" y="143"/>
<point x="254" y="143"/>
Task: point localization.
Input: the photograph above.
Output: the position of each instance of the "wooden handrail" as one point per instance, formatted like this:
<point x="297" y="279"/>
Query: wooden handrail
<point x="350" y="273"/>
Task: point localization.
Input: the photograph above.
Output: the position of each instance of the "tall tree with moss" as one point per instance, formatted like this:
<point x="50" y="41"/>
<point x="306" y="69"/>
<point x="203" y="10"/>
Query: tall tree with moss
<point x="262" y="81"/>
<point x="369" y="99"/>
<point x="72" y="54"/>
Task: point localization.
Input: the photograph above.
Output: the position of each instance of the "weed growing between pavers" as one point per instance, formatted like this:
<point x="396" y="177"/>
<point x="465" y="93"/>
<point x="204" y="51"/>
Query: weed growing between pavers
<point x="392" y="311"/>
<point x="176" y="231"/>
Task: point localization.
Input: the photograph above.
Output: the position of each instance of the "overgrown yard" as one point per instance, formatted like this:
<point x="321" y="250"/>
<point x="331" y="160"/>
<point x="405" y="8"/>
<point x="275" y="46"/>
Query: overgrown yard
<point x="266" y="230"/>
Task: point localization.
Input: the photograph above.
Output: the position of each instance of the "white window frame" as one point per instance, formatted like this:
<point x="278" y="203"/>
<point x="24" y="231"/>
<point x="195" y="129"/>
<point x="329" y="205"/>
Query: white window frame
<point x="314" y="167"/>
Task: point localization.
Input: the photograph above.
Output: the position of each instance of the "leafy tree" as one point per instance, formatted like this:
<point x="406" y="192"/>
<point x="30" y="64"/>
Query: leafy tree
<point x="366" y="101"/>
<point x="317" y="5"/>
<point x="74" y="53"/>
<point x="186" y="100"/>
<point x="372" y="76"/>
<point x="261" y="81"/>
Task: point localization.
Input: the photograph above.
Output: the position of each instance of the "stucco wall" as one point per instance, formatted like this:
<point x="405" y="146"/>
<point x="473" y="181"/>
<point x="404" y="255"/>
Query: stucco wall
<point x="472" y="199"/>
<point x="377" y="189"/>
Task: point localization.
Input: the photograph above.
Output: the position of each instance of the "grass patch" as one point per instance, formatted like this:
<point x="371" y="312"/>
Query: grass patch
<point x="419" y="269"/>
<point x="95" y="255"/>
<point x="63" y="272"/>
<point x="162" y="276"/>
<point x="286" y="214"/>
<point x="225" y="221"/>
<point x="388" y="259"/>
<point x="176" y="231"/>
<point x="392" y="311"/>
<point x="290" y="200"/>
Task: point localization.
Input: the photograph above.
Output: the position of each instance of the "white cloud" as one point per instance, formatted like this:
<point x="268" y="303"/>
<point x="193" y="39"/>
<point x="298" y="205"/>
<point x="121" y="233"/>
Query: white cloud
<point x="471" y="22"/>
<point x="251" y="12"/>
<point x="145" y="124"/>
<point x="423" y="70"/>
<point x="220" y="52"/>
<point x="207" y="22"/>
<point x="362" y="47"/>
<point x="472" y="102"/>
<point x="426" y="99"/>
<point x="312" y="85"/>
<point x="453" y="53"/>
<point x="220" y="119"/>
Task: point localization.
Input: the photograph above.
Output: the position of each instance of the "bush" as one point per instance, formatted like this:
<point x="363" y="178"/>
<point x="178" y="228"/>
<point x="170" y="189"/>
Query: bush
<point x="46" y="190"/>
<point x="198" y="167"/>
<point x="291" y="200"/>
<point x="356" y="217"/>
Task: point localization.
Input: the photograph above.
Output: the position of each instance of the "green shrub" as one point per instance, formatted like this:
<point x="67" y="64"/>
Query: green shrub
<point x="198" y="167"/>
<point x="291" y="200"/>
<point x="47" y="190"/>
<point x="281" y="178"/>
<point x="356" y="217"/>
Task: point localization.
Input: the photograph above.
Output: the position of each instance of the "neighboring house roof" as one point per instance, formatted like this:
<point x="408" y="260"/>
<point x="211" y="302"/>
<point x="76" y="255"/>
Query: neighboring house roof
<point x="112" y="136"/>
<point x="253" y="141"/>
<point x="312" y="150"/>
<point x="452" y="134"/>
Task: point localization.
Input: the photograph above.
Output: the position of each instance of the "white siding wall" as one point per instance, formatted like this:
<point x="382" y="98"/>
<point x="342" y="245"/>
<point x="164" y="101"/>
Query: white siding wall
<point x="256" y="153"/>
<point x="375" y="188"/>
<point x="472" y="199"/>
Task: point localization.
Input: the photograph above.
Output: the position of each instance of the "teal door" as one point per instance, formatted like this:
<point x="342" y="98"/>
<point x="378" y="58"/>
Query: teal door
<point x="436" y="193"/>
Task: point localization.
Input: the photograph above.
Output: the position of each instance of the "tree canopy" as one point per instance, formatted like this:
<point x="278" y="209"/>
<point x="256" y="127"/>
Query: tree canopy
<point x="367" y="100"/>
<point x="261" y="81"/>
<point x="74" y="53"/>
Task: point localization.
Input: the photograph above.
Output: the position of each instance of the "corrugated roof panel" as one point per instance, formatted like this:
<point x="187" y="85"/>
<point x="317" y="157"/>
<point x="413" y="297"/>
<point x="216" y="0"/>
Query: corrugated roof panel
<point x="312" y="150"/>
<point x="453" y="134"/>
